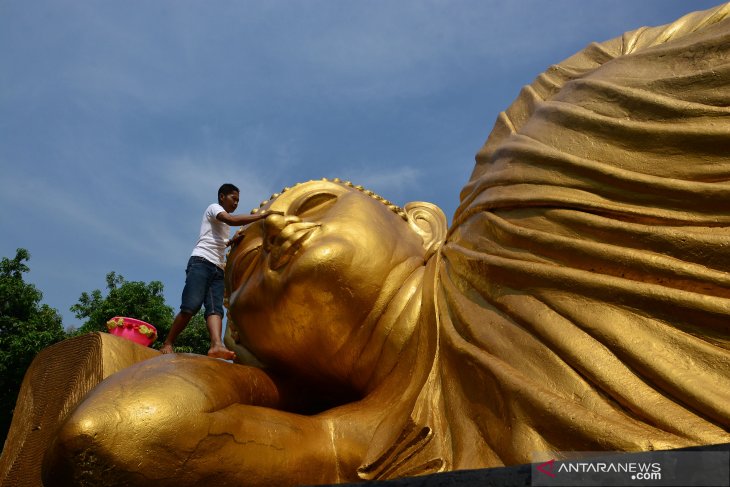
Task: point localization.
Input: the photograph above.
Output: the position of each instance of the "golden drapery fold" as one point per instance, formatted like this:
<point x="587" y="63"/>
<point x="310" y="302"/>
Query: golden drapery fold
<point x="584" y="288"/>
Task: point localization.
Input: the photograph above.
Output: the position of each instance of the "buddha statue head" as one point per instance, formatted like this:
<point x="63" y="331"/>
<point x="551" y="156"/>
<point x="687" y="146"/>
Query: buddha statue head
<point x="304" y="284"/>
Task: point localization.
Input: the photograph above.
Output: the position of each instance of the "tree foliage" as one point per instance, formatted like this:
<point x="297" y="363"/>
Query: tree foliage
<point x="135" y="299"/>
<point x="26" y="327"/>
<point x="144" y="301"/>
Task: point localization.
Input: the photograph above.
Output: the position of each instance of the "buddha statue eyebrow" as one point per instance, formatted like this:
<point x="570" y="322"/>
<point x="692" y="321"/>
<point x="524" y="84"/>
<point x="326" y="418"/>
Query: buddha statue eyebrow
<point x="394" y="208"/>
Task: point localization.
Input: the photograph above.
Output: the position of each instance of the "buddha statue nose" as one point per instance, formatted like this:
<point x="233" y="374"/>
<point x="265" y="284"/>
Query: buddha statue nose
<point x="273" y="225"/>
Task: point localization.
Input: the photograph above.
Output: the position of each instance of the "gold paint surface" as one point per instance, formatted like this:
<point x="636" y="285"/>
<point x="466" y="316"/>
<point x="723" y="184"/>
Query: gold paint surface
<point x="59" y="377"/>
<point x="579" y="301"/>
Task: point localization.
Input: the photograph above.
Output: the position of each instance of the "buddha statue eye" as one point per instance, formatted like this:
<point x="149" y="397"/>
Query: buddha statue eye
<point x="315" y="203"/>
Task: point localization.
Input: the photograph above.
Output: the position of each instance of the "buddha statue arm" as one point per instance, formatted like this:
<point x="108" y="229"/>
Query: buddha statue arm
<point x="214" y="421"/>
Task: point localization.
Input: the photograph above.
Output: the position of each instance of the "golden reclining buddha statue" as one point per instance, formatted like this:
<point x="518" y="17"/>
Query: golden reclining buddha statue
<point x="578" y="302"/>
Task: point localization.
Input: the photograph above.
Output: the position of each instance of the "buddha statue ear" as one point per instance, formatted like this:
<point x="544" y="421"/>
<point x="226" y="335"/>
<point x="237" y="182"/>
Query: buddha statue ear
<point x="429" y="222"/>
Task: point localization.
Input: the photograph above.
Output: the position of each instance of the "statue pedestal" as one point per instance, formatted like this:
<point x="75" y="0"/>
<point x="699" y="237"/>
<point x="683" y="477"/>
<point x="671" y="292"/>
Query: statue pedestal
<point x="521" y="475"/>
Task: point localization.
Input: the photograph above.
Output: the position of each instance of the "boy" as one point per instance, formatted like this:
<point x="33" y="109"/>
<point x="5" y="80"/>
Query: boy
<point x="204" y="273"/>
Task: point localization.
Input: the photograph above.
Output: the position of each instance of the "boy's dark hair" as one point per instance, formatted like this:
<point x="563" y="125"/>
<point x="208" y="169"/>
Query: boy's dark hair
<point x="227" y="189"/>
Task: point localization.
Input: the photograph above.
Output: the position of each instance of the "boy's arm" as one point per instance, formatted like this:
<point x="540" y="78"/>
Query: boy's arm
<point x="239" y="220"/>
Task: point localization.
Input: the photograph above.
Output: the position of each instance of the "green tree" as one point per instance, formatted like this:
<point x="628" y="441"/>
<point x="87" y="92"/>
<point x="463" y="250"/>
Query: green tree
<point x="144" y="301"/>
<point x="135" y="299"/>
<point x="26" y="327"/>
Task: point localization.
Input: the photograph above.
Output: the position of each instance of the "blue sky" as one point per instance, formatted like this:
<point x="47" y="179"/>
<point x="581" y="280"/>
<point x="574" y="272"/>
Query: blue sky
<point x="119" y="120"/>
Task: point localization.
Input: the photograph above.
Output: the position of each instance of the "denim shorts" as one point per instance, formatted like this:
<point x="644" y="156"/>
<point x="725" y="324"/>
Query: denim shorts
<point x="203" y="285"/>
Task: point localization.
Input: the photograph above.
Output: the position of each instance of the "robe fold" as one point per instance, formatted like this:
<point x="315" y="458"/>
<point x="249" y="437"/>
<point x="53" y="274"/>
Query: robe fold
<point x="583" y="292"/>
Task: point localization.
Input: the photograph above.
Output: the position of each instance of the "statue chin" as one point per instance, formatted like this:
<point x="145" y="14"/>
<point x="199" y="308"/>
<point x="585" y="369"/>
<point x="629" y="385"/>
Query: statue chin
<point x="578" y="303"/>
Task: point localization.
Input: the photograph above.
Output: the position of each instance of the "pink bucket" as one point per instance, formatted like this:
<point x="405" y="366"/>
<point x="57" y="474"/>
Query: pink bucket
<point x="132" y="329"/>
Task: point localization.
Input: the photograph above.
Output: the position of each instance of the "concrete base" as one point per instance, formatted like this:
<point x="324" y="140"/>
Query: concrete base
<point x="515" y="476"/>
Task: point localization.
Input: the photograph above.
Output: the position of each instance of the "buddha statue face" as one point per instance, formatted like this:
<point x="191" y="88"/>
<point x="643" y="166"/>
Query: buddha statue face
<point x="300" y="282"/>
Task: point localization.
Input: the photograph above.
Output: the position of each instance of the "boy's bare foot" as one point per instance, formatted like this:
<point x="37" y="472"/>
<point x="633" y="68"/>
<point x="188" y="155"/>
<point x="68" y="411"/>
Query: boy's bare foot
<point x="220" y="351"/>
<point x="166" y="348"/>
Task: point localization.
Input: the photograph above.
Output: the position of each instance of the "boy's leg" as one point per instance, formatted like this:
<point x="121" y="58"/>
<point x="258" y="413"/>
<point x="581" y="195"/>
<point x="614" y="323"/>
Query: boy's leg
<point x="214" y="317"/>
<point x="181" y="321"/>
<point x="217" y="348"/>
<point x="197" y="276"/>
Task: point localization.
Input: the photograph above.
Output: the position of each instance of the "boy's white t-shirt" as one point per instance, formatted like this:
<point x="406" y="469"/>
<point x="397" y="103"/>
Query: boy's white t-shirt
<point x="214" y="235"/>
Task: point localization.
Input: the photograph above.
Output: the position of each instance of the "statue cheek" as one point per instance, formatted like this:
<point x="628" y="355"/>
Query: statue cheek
<point x="323" y="264"/>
